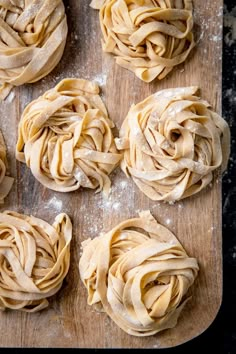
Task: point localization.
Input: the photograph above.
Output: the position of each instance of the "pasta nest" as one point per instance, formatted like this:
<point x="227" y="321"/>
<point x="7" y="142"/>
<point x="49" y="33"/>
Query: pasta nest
<point x="34" y="260"/>
<point x="172" y="142"/>
<point x="139" y="273"/>
<point x="65" y="138"/>
<point x="5" y="181"/>
<point x="148" y="37"/>
<point x="32" y="40"/>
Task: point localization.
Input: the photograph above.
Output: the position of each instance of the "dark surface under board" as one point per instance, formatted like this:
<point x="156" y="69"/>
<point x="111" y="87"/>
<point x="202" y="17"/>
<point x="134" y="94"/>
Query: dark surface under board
<point x="221" y="335"/>
<point x="225" y="322"/>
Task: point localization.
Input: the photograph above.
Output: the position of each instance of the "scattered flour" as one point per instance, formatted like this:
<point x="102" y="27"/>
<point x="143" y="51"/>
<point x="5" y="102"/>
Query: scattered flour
<point x="54" y="203"/>
<point x="123" y="184"/>
<point x="100" y="79"/>
<point x="156" y="346"/>
<point x="209" y="30"/>
<point x="215" y="38"/>
<point x="116" y="206"/>
<point x="168" y="221"/>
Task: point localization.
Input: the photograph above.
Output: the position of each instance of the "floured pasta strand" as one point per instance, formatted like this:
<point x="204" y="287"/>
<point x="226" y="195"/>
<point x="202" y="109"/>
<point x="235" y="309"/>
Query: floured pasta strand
<point x="32" y="40"/>
<point x="172" y="142"/>
<point x="6" y="182"/>
<point x="148" y="37"/>
<point x="139" y="273"/>
<point x="65" y="138"/>
<point x="35" y="258"/>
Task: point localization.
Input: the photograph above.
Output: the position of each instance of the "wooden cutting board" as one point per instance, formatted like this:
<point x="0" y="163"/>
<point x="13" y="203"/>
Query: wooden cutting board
<point x="69" y="321"/>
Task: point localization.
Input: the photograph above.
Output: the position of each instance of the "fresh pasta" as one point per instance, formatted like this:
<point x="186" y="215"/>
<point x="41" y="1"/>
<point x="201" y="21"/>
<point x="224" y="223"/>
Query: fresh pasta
<point x="148" y="37"/>
<point x="172" y="142"/>
<point x="139" y="274"/>
<point x="65" y="138"/>
<point x="32" y="40"/>
<point x="35" y="258"/>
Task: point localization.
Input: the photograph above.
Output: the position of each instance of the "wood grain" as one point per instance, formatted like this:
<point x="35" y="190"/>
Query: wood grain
<point x="69" y="321"/>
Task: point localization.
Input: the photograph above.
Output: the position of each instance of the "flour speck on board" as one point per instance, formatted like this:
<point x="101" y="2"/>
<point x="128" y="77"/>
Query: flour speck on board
<point x="116" y="206"/>
<point x="54" y="203"/>
<point x="100" y="79"/>
<point x="168" y="221"/>
<point x="155" y="346"/>
<point x="210" y="31"/>
<point x="215" y="38"/>
<point x="123" y="184"/>
<point x="121" y="189"/>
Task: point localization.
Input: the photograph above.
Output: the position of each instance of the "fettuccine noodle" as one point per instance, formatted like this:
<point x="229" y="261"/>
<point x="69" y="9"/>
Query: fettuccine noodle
<point x="139" y="273"/>
<point x="34" y="260"/>
<point x="172" y="143"/>
<point x="5" y="181"/>
<point x="148" y="37"/>
<point x="65" y="138"/>
<point x="32" y="40"/>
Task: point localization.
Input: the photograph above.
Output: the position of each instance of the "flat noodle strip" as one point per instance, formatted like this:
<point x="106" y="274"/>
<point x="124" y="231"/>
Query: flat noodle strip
<point x="6" y="182"/>
<point x="34" y="260"/>
<point x="172" y="142"/>
<point x="32" y="40"/>
<point x="148" y="37"/>
<point x="139" y="273"/>
<point x="65" y="138"/>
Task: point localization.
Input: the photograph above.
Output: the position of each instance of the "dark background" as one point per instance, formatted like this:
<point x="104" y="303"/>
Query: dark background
<point x="221" y="335"/>
<point x="225" y="323"/>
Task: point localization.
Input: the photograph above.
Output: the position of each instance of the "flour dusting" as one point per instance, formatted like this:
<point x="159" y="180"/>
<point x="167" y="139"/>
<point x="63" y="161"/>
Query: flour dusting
<point x="100" y="79"/>
<point x="168" y="221"/>
<point x="54" y="203"/>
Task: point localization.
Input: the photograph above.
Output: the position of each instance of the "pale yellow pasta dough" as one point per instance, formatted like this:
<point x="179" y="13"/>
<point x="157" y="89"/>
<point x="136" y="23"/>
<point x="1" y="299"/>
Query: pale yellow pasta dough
<point x="148" y="37"/>
<point x="65" y="138"/>
<point x="34" y="260"/>
<point x="139" y="274"/>
<point x="32" y="40"/>
<point x="172" y="142"/>
<point x="5" y="181"/>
